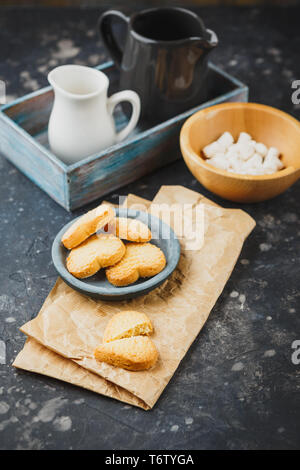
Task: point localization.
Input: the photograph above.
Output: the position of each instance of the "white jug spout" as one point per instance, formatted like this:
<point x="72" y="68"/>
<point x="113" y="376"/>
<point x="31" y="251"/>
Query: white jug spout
<point x="77" y="81"/>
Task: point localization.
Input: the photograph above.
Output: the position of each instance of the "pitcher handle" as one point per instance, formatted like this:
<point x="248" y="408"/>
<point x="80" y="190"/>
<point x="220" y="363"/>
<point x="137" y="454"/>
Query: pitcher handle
<point x="105" y="28"/>
<point x="133" y="98"/>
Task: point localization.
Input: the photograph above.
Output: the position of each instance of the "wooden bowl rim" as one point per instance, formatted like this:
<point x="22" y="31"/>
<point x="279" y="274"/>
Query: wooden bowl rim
<point x="185" y="143"/>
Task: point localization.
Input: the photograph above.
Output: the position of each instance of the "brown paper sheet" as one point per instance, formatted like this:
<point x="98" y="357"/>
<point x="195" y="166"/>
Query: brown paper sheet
<point x="72" y="325"/>
<point x="34" y="357"/>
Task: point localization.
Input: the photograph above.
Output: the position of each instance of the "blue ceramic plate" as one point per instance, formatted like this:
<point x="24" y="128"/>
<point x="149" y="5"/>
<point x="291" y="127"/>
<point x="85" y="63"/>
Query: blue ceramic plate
<point x="97" y="286"/>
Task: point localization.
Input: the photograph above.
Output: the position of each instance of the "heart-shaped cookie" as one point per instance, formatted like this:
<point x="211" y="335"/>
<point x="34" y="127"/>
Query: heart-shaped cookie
<point x="132" y="230"/>
<point x="135" y="353"/>
<point x="86" y="225"/>
<point x="140" y="260"/>
<point x="126" y="324"/>
<point x="98" y="251"/>
<point x="123" y="343"/>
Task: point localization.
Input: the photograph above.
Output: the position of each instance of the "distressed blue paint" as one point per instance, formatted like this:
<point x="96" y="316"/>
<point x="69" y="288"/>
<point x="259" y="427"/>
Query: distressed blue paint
<point x="23" y="140"/>
<point x="33" y="162"/>
<point x="121" y="166"/>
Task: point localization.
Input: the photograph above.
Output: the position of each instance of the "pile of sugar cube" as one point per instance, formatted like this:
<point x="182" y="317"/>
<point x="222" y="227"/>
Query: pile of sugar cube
<point x="244" y="157"/>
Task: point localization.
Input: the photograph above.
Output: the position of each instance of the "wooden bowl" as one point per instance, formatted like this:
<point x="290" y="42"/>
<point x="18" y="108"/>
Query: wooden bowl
<point x="265" y="124"/>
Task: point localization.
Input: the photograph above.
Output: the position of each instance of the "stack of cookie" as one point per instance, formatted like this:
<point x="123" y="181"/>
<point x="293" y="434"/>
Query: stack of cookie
<point x="126" y="343"/>
<point x="125" y="262"/>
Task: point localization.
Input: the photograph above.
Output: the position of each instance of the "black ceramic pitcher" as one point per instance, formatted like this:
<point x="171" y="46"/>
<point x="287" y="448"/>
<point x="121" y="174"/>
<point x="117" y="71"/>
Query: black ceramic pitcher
<point x="164" y="58"/>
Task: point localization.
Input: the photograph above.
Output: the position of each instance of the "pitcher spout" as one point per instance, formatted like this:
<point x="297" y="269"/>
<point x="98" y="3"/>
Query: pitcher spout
<point x="207" y="42"/>
<point x="77" y="82"/>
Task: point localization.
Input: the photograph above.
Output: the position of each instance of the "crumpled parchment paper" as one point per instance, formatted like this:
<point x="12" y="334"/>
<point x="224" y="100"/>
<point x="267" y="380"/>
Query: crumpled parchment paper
<point x="63" y="336"/>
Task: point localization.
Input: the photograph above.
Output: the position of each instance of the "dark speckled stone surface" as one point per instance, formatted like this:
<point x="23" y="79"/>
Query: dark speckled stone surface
<point x="237" y="388"/>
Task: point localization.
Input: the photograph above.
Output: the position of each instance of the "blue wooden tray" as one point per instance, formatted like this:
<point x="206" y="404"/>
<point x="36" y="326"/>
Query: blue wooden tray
<point x="24" y="141"/>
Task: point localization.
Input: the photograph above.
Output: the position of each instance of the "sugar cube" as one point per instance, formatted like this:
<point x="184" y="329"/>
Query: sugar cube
<point x="261" y="149"/>
<point x="273" y="151"/>
<point x="219" y="161"/>
<point x="212" y="149"/>
<point x="233" y="151"/>
<point x="255" y="162"/>
<point x="272" y="162"/>
<point x="244" y="137"/>
<point x="226" y="140"/>
<point x="235" y="163"/>
<point x="246" y="150"/>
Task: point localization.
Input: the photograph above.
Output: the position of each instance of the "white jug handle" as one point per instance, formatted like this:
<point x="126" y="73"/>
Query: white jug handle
<point x="133" y="98"/>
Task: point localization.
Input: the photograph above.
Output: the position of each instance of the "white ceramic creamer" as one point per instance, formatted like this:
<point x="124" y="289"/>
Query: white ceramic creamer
<point x="81" y="121"/>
